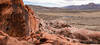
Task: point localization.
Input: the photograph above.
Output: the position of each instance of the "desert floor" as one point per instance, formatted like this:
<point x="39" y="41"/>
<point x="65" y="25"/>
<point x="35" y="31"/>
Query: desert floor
<point x="87" y="20"/>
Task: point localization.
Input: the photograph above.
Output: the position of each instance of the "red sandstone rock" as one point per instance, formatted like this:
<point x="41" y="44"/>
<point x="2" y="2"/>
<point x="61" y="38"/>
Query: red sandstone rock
<point x="52" y="39"/>
<point x="7" y="40"/>
<point x="80" y="35"/>
<point x="16" y="19"/>
<point x="86" y="36"/>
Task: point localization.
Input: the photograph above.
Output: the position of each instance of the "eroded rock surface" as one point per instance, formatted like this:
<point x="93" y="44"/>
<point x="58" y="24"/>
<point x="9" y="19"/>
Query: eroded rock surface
<point x="15" y="18"/>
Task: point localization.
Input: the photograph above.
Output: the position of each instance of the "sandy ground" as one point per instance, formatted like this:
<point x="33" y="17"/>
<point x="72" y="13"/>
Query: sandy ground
<point x="87" y="20"/>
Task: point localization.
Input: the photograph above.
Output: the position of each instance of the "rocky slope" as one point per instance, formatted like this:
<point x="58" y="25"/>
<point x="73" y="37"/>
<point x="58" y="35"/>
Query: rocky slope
<point x="20" y="26"/>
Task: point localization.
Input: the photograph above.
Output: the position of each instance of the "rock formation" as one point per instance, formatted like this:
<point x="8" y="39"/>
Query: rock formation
<point x="15" y="18"/>
<point x="20" y="26"/>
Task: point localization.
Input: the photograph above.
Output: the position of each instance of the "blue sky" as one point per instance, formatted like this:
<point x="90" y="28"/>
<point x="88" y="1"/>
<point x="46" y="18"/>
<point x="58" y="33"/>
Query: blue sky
<point x="59" y="3"/>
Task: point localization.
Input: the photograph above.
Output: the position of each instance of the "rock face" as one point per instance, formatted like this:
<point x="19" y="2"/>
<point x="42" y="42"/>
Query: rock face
<point x="15" y="18"/>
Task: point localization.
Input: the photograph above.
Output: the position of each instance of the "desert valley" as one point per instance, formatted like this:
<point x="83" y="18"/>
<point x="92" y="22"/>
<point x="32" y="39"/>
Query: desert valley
<point x="22" y="24"/>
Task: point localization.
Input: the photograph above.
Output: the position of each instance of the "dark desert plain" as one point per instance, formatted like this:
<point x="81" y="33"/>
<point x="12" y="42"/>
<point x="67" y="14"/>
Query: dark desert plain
<point x="86" y="19"/>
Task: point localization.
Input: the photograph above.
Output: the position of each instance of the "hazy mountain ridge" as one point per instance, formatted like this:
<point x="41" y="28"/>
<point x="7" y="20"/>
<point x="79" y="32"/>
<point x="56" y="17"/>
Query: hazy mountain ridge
<point x="90" y="6"/>
<point x="46" y="9"/>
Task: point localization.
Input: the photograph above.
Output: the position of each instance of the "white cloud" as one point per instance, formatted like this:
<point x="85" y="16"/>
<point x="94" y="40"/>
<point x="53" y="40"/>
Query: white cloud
<point x="52" y="2"/>
<point x="60" y="3"/>
<point x="79" y="2"/>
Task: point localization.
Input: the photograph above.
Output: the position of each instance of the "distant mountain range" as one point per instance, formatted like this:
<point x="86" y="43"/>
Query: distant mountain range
<point x="90" y="6"/>
<point x="46" y="9"/>
<point x="87" y="7"/>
